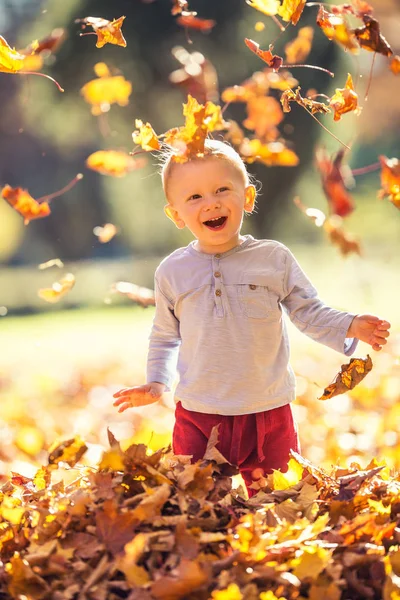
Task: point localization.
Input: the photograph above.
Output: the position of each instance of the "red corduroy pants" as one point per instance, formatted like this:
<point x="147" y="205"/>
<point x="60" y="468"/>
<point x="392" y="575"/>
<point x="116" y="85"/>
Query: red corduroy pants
<point x="254" y="441"/>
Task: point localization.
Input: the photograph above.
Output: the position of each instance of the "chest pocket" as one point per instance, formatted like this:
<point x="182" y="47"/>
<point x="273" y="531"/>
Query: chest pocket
<point x="254" y="298"/>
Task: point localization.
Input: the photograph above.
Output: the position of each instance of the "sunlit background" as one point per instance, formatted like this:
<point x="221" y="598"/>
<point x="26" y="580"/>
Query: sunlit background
<point x="60" y="363"/>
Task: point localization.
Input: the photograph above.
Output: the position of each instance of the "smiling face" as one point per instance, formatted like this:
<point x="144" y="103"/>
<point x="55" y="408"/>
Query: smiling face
<point x="209" y="196"/>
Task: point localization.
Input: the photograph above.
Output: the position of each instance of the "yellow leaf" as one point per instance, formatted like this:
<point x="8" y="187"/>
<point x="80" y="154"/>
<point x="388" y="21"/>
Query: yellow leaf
<point x="232" y="592"/>
<point x="281" y="481"/>
<point x="146" y="137"/>
<point x="311" y="563"/>
<point x="268" y="7"/>
<point x="291" y="10"/>
<point x="58" y="289"/>
<point x="30" y="440"/>
<point x="106" y="90"/>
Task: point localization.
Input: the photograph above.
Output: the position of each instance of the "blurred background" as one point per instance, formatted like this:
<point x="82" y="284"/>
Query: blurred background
<point x="60" y="362"/>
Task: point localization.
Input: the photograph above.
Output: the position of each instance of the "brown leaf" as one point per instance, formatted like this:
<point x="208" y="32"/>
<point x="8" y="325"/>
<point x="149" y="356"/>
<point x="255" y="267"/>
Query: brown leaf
<point x="350" y="375"/>
<point x="114" y="527"/>
<point x="370" y="37"/>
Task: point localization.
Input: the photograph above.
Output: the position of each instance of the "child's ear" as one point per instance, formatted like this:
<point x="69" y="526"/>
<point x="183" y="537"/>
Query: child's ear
<point x="249" y="198"/>
<point x="173" y="214"/>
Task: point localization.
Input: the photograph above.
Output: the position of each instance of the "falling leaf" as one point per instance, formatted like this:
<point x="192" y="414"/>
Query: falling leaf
<point x="105" y="233"/>
<point x="47" y="45"/>
<point x="273" y="60"/>
<point x="395" y="64"/>
<point x="264" y="114"/>
<point x="192" y="22"/>
<point x="349" y="376"/>
<point x="267" y="7"/>
<point x="106" y="90"/>
<point x="108" y="32"/>
<point x="24" y="204"/>
<point x="54" y="262"/>
<point x="272" y="154"/>
<point x="334" y="177"/>
<point x="141" y="295"/>
<point x="68" y="451"/>
<point x="291" y="10"/>
<point x="293" y="475"/>
<point x="370" y="37"/>
<point x="312" y="106"/>
<point x="197" y="75"/>
<point x="347" y="243"/>
<point x="113" y="162"/>
<point x="11" y="61"/>
<point x="298" y="49"/>
<point x="390" y="180"/>
<point x="58" y="289"/>
<point x="344" y="100"/>
<point x="179" y="7"/>
<point x="145" y="136"/>
<point x="335" y="28"/>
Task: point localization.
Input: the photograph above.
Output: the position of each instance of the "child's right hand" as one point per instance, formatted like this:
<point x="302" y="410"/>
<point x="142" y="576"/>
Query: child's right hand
<point x="139" y="395"/>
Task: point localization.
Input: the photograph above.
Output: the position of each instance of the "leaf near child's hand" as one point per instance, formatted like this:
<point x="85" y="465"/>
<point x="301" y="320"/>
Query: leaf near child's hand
<point x="349" y="376"/>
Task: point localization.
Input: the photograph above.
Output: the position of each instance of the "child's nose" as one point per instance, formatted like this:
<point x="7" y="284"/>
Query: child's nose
<point x="211" y="202"/>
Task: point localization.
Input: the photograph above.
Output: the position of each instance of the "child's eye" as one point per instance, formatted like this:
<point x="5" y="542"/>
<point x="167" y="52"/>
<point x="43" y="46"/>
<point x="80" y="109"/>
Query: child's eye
<point x="222" y="189"/>
<point x="194" y="197"/>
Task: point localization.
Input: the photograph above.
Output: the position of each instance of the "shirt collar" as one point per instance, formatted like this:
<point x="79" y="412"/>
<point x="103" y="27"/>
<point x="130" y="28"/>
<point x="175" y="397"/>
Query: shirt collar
<point x="247" y="240"/>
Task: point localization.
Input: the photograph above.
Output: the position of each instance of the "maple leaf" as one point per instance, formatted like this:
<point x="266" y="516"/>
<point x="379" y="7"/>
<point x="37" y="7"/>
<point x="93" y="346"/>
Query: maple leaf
<point x="113" y="162"/>
<point x="298" y="49"/>
<point x="190" y="21"/>
<point x="291" y="10"/>
<point x="108" y="32"/>
<point x="105" y="233"/>
<point x="349" y="376"/>
<point x="333" y="175"/>
<point x="58" y="289"/>
<point x="370" y="38"/>
<point x="313" y="106"/>
<point x="344" y="100"/>
<point x="273" y="60"/>
<point x="145" y="136"/>
<point x="106" y="90"/>
<point x="335" y="28"/>
<point x="24" y="204"/>
<point x="390" y="180"/>
<point x="272" y="154"/>
<point x="267" y="7"/>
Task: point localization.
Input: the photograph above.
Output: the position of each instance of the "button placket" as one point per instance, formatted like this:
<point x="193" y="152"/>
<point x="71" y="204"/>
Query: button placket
<point x="218" y="291"/>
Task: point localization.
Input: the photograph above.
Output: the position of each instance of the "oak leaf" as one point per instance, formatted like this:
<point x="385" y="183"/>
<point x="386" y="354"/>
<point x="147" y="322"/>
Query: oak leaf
<point x="24" y="204"/>
<point x="113" y="162"/>
<point x="58" y="289"/>
<point x="350" y="375"/>
<point x="336" y="28"/>
<point x="390" y="180"/>
<point x="267" y="7"/>
<point x="273" y="60"/>
<point x="344" y="100"/>
<point x="298" y="49"/>
<point x="106" y="90"/>
<point x="291" y="10"/>
<point x="108" y="32"/>
<point x="370" y="38"/>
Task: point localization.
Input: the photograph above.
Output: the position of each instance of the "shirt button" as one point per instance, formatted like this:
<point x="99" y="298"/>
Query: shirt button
<point x="217" y="256"/>
<point x="217" y="274"/>
<point x="218" y="292"/>
<point x="252" y="286"/>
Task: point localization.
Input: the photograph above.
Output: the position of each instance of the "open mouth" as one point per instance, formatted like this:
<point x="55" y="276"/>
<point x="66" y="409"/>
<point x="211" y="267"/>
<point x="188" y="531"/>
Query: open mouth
<point x="216" y="224"/>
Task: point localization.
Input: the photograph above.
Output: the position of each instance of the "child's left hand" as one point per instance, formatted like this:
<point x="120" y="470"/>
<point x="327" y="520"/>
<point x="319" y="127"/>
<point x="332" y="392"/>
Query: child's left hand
<point x="370" y="329"/>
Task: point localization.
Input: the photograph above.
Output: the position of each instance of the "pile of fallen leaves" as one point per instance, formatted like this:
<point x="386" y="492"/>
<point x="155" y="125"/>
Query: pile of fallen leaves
<point x="154" y="526"/>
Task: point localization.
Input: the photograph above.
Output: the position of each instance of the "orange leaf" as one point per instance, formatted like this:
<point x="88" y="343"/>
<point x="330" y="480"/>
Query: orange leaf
<point x="395" y="64"/>
<point x="113" y="162"/>
<point x="390" y="180"/>
<point x="106" y="90"/>
<point x="333" y="182"/>
<point x="298" y="49"/>
<point x="264" y="114"/>
<point x="192" y="22"/>
<point x="336" y="28"/>
<point x="108" y="32"/>
<point x="273" y="60"/>
<point x="273" y="154"/>
<point x="291" y="10"/>
<point x="58" y="289"/>
<point x="114" y="527"/>
<point x="349" y="376"/>
<point x="267" y="7"/>
<point x="23" y="203"/>
<point x="346" y="242"/>
<point x="179" y="7"/>
<point x="145" y="136"/>
<point x="344" y="100"/>
<point x="48" y="44"/>
<point x="370" y="37"/>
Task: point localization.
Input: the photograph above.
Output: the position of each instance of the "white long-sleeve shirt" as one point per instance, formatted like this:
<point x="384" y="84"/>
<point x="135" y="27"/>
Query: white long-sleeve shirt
<point x="219" y="323"/>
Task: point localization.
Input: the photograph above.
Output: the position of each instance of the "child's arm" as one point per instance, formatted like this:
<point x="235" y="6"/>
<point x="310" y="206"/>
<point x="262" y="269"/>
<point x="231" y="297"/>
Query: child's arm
<point x="337" y="329"/>
<point x="162" y="357"/>
<point x="370" y="329"/>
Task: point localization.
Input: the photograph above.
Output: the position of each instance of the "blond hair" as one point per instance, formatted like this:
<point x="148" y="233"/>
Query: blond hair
<point x="212" y="148"/>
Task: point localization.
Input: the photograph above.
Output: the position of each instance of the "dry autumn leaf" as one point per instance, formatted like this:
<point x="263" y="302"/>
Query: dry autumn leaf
<point x="395" y="64"/>
<point x="264" y="114"/>
<point x="54" y="262"/>
<point x="336" y="28"/>
<point x="114" y="162"/>
<point x="298" y="49"/>
<point x="24" y="204"/>
<point x="267" y="7"/>
<point x="142" y="295"/>
<point x="197" y="75"/>
<point x="370" y="38"/>
<point x="106" y="90"/>
<point x="390" y="180"/>
<point x="346" y="242"/>
<point x="312" y="106"/>
<point x="291" y="10"/>
<point x="344" y="100"/>
<point x="349" y="376"/>
<point x="272" y="154"/>
<point x="190" y="21"/>
<point x="105" y="233"/>
<point x="58" y="289"/>
<point x="145" y="136"/>
<point x="179" y="7"/>
<point x="273" y="60"/>
<point x="108" y="32"/>
<point x="334" y="176"/>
